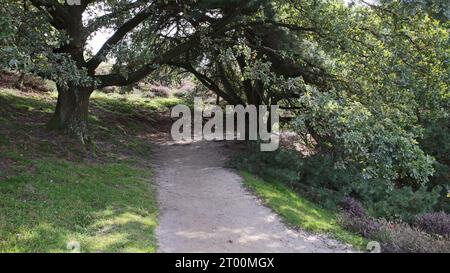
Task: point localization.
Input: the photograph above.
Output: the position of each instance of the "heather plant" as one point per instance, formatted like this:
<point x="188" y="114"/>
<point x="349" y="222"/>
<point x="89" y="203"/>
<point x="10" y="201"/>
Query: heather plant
<point x="160" y="90"/>
<point x="366" y="226"/>
<point x="434" y="222"/>
<point x="395" y="237"/>
<point x="401" y="238"/>
<point x="353" y="207"/>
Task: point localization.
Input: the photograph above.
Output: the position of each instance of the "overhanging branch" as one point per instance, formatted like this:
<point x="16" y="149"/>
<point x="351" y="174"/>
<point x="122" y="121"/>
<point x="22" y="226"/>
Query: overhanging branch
<point x="93" y="63"/>
<point x="168" y="56"/>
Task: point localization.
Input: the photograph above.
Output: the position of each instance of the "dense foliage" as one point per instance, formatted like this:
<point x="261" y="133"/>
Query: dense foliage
<point x="378" y="119"/>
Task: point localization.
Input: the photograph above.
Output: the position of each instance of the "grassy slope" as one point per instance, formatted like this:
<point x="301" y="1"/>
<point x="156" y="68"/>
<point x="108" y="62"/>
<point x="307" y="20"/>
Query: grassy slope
<point x="52" y="191"/>
<point x="299" y="212"/>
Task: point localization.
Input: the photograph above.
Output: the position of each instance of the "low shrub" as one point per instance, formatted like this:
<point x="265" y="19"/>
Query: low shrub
<point x="353" y="207"/>
<point x="395" y="237"/>
<point x="327" y="184"/>
<point x="160" y="90"/>
<point x="383" y="200"/>
<point x="436" y="142"/>
<point x="366" y="226"/>
<point x="318" y="178"/>
<point x="434" y="222"/>
<point x="109" y="89"/>
<point x="184" y="89"/>
<point x="324" y="183"/>
<point x="281" y="165"/>
<point x="401" y="238"/>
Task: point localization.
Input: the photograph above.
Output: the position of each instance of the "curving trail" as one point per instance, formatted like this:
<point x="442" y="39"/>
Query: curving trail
<point x="204" y="207"/>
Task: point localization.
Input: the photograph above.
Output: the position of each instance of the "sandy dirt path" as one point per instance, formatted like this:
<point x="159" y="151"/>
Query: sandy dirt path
<point x="205" y="208"/>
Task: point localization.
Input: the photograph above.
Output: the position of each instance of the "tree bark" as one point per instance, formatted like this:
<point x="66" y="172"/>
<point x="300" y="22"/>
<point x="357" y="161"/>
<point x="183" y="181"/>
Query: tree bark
<point x="71" y="113"/>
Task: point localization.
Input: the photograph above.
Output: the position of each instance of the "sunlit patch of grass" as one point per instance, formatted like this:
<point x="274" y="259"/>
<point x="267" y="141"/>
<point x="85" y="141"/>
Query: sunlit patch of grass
<point x="113" y="233"/>
<point x="300" y="212"/>
<point x="163" y="103"/>
<point x="53" y="192"/>
<point x="132" y="102"/>
<point x="106" y="207"/>
<point x="24" y="101"/>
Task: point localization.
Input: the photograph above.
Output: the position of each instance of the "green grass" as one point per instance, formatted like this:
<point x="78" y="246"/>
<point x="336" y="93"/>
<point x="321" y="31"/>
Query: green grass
<point x="299" y="212"/>
<point x="106" y="207"/>
<point x="129" y="104"/>
<point x="52" y="191"/>
<point x="30" y="102"/>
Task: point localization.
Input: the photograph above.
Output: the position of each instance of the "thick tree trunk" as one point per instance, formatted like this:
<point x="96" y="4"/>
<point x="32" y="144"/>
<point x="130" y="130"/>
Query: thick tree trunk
<point x="71" y="113"/>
